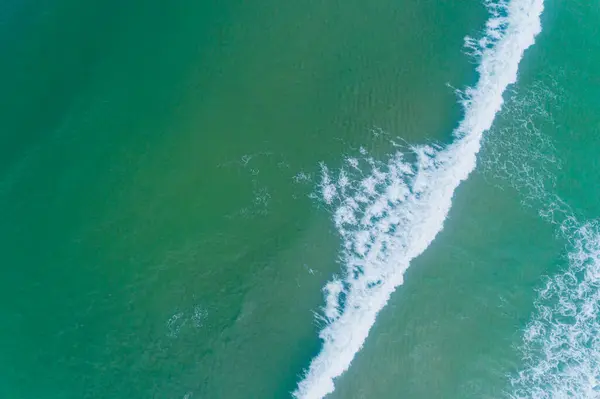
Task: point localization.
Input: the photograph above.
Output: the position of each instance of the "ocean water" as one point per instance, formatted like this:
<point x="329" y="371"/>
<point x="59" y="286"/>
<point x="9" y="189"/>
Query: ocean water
<point x="316" y="199"/>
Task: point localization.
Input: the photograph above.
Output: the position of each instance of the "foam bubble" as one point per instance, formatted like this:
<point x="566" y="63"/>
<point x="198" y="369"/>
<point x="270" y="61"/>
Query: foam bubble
<point x="389" y="212"/>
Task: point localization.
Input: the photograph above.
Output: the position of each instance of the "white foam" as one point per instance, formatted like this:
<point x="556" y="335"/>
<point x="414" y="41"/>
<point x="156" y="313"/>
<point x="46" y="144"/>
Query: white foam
<point x="328" y="189"/>
<point x="393" y="214"/>
<point x="562" y="342"/>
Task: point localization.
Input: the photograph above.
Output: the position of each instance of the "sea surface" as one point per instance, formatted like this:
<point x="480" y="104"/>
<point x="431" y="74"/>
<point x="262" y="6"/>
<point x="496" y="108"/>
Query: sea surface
<point x="264" y="199"/>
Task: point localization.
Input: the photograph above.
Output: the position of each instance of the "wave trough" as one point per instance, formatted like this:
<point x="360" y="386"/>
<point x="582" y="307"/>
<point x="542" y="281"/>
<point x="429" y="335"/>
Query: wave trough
<point x="388" y="212"/>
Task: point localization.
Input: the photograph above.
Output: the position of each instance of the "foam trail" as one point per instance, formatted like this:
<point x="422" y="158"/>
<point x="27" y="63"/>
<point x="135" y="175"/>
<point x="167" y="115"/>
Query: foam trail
<point x="562" y="342"/>
<point x="391" y="212"/>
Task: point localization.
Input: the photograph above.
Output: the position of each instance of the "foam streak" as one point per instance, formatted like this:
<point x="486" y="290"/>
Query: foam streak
<point x="390" y="213"/>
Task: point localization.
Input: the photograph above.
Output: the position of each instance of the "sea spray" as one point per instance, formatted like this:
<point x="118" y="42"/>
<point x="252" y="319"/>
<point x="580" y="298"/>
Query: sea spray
<point x="388" y="212"/>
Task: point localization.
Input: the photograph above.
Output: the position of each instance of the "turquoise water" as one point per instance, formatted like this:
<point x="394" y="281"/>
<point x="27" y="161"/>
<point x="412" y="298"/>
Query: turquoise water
<point x="167" y="224"/>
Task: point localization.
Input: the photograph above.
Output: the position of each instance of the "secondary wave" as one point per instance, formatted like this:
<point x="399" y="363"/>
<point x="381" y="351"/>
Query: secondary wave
<point x="561" y="344"/>
<point x="389" y="212"/>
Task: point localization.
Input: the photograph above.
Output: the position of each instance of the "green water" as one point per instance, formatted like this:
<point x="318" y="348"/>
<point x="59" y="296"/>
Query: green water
<point x="157" y="237"/>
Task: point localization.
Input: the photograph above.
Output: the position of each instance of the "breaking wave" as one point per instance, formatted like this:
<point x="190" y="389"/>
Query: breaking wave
<point x="388" y="212"/>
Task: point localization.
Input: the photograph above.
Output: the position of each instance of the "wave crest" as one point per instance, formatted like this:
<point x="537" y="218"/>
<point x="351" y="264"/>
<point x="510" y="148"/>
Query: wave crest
<point x="389" y="212"/>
